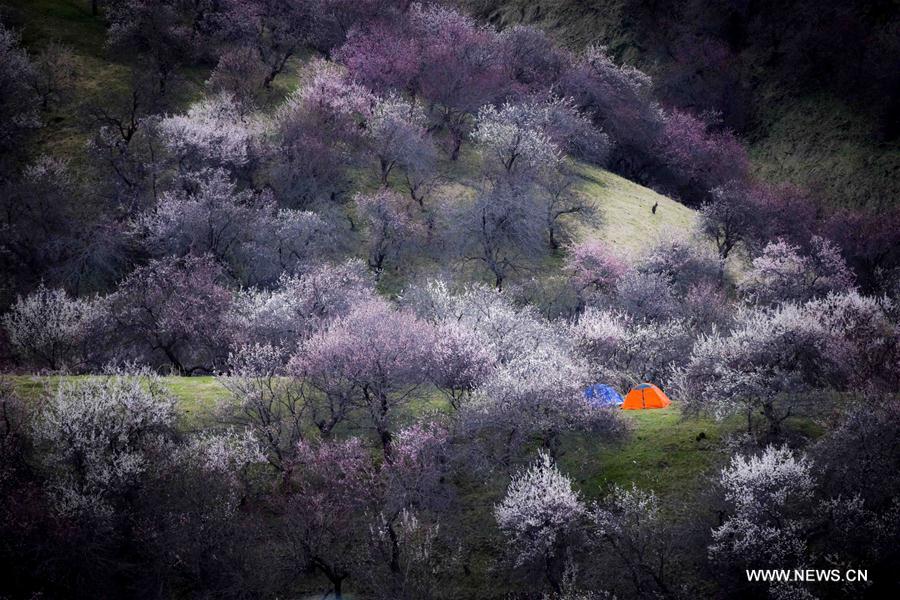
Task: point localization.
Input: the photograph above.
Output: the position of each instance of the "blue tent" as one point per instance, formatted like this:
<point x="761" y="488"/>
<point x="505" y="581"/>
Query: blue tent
<point x="602" y="395"/>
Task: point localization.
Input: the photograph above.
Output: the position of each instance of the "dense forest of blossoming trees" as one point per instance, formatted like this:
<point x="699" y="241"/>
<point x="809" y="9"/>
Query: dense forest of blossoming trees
<point x="368" y="226"/>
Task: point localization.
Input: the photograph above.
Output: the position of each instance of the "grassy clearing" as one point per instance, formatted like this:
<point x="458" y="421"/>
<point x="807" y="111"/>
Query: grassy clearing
<point x="665" y="452"/>
<point x="197" y="396"/>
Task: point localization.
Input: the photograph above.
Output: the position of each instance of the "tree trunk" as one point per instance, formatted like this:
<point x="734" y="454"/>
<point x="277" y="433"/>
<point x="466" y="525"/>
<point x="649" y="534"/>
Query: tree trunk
<point x="384" y="434"/>
<point x="457" y="142"/>
<point x="554" y="243"/>
<point x="395" y="549"/>
<point x="551" y="576"/>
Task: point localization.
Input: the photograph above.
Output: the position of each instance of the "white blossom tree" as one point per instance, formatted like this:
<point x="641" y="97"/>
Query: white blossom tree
<point x="397" y="135"/>
<point x="764" y="527"/>
<point x="502" y="230"/>
<point x="514" y="139"/>
<point x="50" y="329"/>
<point x="100" y="436"/>
<point x="624" y="351"/>
<point x="538" y="516"/>
<point x="265" y="402"/>
<point x="390" y="227"/>
<point x="213" y="133"/>
<point x="242" y="230"/>
<point x="768" y="359"/>
<point x="783" y="273"/>
<point x="629" y="525"/>
<point x="298" y="306"/>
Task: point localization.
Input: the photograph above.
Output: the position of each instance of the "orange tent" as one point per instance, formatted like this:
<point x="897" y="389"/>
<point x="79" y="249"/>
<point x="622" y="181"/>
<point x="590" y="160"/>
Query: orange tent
<point x="645" y="395"/>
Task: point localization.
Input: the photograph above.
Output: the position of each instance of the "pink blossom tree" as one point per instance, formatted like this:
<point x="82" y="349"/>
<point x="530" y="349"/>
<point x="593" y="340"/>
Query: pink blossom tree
<point x="326" y="516"/>
<point x="320" y="133"/>
<point x="700" y="156"/>
<point x="438" y="54"/>
<point x="619" y="100"/>
<point x="534" y="61"/>
<point x="459" y="361"/>
<point x="373" y="358"/>
<point x="869" y="240"/>
<point x="593" y="269"/>
<point x="781" y="212"/>
<point x="334" y="20"/>
<point x="171" y="311"/>
<point x="729" y="218"/>
<point x="385" y="56"/>
<point x="783" y="274"/>
<point x="412" y="497"/>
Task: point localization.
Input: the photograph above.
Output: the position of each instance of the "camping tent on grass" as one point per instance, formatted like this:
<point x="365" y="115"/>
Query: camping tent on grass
<point x="645" y="395"/>
<point x="600" y="394"/>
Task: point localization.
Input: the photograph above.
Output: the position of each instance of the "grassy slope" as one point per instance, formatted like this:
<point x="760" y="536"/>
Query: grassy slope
<point x="816" y="141"/>
<point x="628" y="224"/>
<point x="98" y="74"/>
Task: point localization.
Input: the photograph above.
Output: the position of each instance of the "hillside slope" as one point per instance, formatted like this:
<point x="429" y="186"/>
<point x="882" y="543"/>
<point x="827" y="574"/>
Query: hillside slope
<point x="626" y="222"/>
<point x="838" y="140"/>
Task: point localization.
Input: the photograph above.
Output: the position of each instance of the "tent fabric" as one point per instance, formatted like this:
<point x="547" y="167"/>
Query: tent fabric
<point x="645" y="395"/>
<point x="601" y="394"/>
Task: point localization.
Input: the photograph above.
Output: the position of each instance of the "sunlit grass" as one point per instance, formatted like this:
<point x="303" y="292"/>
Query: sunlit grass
<point x="665" y="452"/>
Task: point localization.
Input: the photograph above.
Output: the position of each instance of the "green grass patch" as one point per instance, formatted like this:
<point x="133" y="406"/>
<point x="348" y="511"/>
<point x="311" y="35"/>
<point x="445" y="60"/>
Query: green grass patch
<point x="665" y="452"/>
<point x="197" y="396"/>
